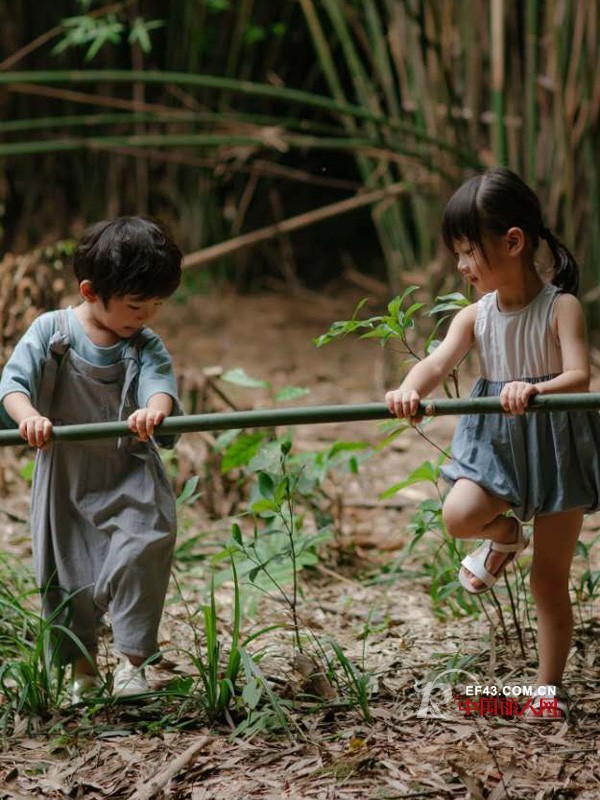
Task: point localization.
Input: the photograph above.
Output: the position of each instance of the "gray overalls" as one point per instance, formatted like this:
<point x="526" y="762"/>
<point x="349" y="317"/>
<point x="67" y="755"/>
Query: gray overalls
<point x="102" y="512"/>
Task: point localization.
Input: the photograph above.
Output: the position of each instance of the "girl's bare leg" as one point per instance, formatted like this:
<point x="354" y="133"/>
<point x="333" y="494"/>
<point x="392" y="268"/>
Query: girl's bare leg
<point x="555" y="537"/>
<point x="472" y="513"/>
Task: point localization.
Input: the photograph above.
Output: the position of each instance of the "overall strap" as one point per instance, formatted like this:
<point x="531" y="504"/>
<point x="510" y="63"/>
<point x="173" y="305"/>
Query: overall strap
<point x="58" y="345"/>
<point x="133" y="357"/>
<point x="62" y="318"/>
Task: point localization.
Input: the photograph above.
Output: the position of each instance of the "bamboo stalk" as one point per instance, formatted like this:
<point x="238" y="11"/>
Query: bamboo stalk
<point x="20" y="79"/>
<point x="497" y="83"/>
<point x="183" y="78"/>
<point x="531" y="62"/>
<point x="169" y="116"/>
<point x="276" y="140"/>
<point x="309" y="415"/>
<point x="292" y="224"/>
<point x="138" y="92"/>
<point x="391" y="224"/>
<point x="70" y="96"/>
<point x="381" y="58"/>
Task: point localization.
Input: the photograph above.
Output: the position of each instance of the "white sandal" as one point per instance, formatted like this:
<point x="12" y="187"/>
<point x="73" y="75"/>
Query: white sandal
<point x="475" y="561"/>
<point x="549" y="704"/>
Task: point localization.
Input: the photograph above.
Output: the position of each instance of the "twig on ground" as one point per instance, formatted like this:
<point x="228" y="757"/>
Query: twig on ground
<point x="151" y="788"/>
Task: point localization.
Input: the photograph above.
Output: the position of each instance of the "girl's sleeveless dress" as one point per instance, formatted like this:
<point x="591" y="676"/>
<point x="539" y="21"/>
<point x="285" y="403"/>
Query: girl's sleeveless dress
<point x="540" y="462"/>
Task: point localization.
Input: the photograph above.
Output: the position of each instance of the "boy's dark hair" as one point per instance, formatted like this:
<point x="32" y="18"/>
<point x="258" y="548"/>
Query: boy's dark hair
<point x="128" y="255"/>
<point x="495" y="201"/>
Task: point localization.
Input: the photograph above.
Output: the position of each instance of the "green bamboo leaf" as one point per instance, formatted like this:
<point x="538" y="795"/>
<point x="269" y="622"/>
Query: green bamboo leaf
<point x="236" y="532"/>
<point x="239" y="377"/>
<point x="345" y="447"/>
<point x="252" y="693"/>
<point x="412" y="310"/>
<point x="188" y="493"/>
<point x="224" y="439"/>
<point x="264" y="505"/>
<point x="427" y="472"/>
<point x="449" y="302"/>
<point x="242" y="450"/>
<point x="139" y="33"/>
<point x="266" y="485"/>
<point x="291" y="393"/>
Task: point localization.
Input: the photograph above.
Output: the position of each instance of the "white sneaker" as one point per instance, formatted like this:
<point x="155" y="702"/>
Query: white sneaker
<point x="129" y="679"/>
<point x="84" y="687"/>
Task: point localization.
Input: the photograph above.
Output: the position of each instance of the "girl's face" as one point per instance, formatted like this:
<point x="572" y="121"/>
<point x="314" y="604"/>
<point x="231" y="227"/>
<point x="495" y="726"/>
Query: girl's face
<point x="474" y="265"/>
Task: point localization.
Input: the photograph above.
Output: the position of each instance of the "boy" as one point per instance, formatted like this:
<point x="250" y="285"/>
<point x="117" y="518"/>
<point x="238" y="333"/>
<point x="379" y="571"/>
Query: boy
<point x="102" y="512"/>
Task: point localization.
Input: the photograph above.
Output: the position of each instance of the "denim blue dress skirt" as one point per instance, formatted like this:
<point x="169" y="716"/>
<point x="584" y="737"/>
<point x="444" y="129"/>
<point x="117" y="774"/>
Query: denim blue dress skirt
<point x="540" y="463"/>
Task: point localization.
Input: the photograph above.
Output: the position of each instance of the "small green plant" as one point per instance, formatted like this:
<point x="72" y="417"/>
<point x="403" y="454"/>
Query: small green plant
<point x="587" y="585"/>
<point x="266" y="712"/>
<point x="399" y="326"/>
<point x="355" y="683"/>
<point x="32" y="673"/>
<point x="217" y="675"/>
<point x="279" y="547"/>
<point x="226" y="683"/>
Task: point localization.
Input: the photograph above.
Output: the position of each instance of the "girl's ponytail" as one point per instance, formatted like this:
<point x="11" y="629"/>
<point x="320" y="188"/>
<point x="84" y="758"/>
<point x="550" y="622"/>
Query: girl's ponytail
<point x="566" y="271"/>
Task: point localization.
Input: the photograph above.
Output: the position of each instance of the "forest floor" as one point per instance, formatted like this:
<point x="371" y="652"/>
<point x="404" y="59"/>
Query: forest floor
<point x="419" y="740"/>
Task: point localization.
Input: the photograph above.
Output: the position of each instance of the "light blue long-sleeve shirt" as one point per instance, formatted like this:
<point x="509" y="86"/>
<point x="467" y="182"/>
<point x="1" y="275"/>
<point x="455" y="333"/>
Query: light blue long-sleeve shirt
<point x="23" y="371"/>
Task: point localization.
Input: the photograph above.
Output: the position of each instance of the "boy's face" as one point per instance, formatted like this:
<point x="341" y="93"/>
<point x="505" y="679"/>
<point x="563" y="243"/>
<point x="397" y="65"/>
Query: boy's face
<point x="126" y="315"/>
<point x="122" y="316"/>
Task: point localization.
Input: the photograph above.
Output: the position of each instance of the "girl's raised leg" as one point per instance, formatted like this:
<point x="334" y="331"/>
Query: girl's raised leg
<point x="470" y="512"/>
<point x="555" y="537"/>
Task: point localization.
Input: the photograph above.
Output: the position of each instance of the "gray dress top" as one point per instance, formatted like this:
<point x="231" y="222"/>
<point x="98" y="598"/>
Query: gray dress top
<point x="540" y="463"/>
<point x="102" y="511"/>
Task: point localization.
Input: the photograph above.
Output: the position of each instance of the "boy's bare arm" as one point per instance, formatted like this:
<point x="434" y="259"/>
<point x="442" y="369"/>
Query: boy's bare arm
<point x="33" y="426"/>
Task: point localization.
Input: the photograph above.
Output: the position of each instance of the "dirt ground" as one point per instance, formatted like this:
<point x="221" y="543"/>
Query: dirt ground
<point x="419" y="743"/>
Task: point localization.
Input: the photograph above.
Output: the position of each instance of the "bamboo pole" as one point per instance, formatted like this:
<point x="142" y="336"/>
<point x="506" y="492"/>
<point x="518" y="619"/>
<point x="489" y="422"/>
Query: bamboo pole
<point x="497" y="79"/>
<point x="310" y="415"/>
<point x="531" y="71"/>
<point x="292" y="224"/>
<point x="17" y="80"/>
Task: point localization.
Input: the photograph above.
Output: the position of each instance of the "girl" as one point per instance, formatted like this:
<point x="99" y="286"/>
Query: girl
<point x="531" y="339"/>
<point x="102" y="511"/>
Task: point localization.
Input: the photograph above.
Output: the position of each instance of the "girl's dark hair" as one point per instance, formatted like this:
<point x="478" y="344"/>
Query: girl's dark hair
<point x="128" y="255"/>
<point x="495" y="201"/>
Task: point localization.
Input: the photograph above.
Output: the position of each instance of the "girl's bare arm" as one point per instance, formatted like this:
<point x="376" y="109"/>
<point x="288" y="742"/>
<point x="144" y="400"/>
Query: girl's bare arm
<point x="429" y="373"/>
<point x="570" y="327"/>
